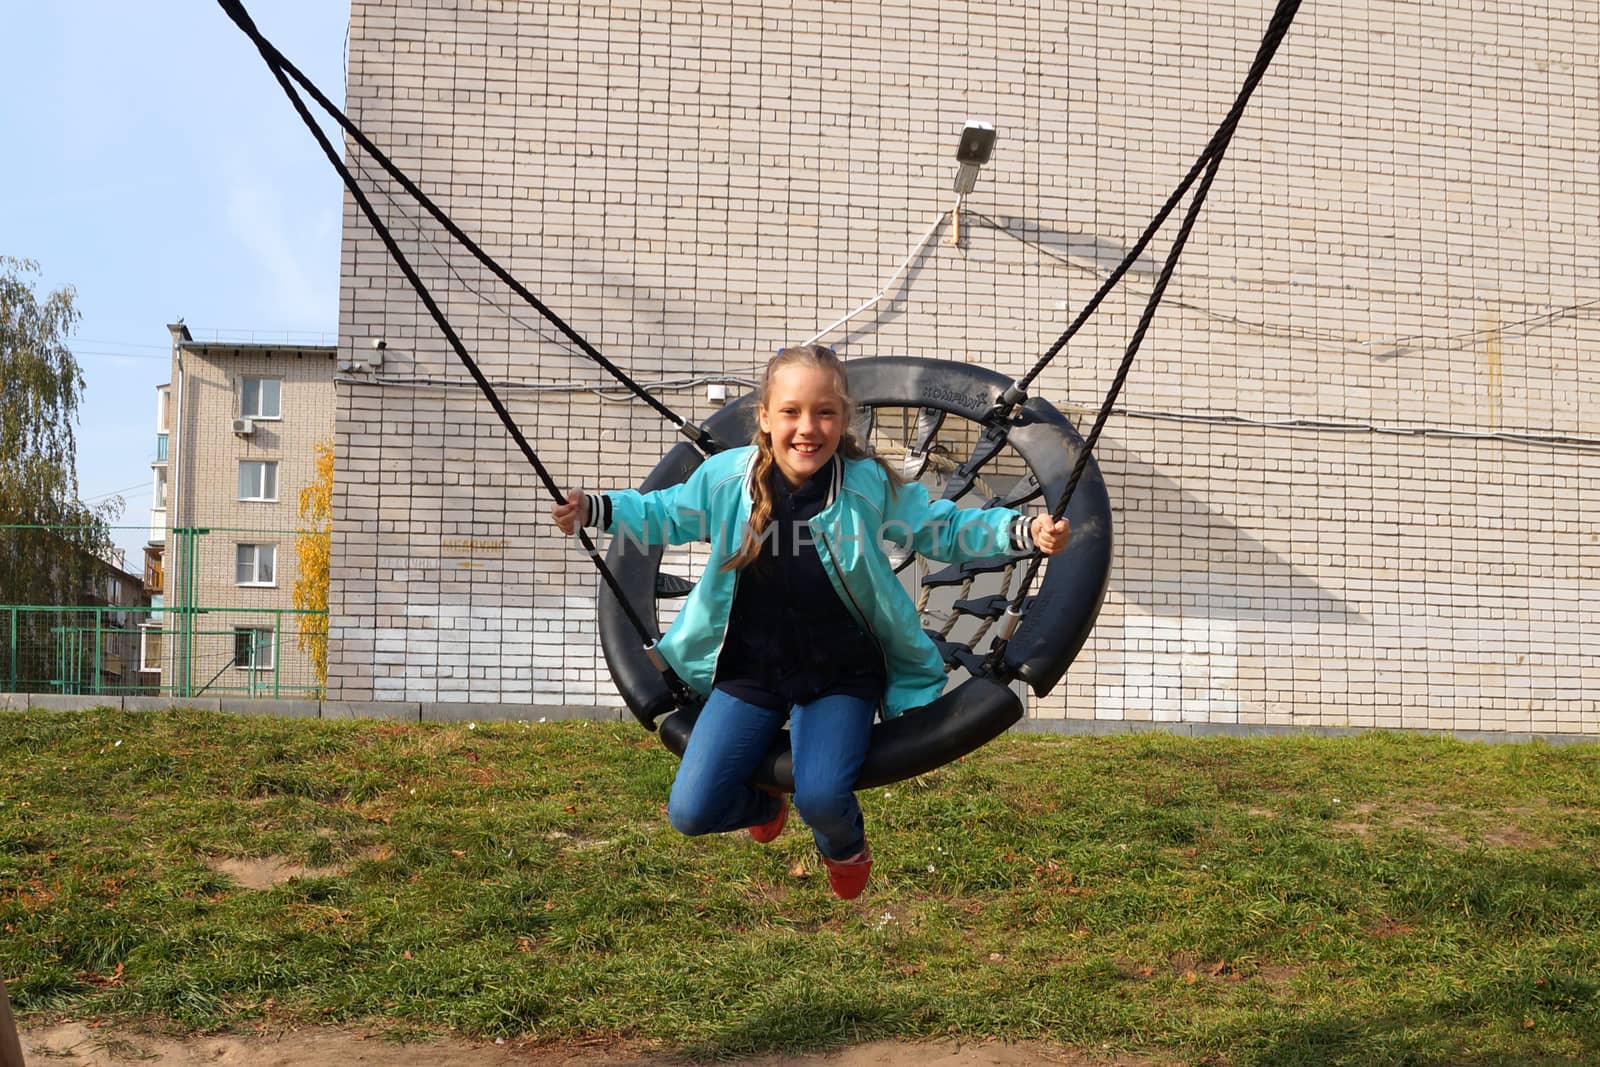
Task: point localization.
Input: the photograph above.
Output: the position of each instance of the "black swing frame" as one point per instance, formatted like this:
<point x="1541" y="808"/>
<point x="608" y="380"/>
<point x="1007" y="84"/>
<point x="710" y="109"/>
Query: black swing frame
<point x="1054" y="627"/>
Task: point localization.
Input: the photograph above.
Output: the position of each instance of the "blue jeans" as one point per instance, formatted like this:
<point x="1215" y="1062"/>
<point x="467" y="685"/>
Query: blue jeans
<point x="829" y="737"/>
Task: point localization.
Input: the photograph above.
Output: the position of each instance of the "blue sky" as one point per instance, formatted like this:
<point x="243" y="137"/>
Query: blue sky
<point x="154" y="165"/>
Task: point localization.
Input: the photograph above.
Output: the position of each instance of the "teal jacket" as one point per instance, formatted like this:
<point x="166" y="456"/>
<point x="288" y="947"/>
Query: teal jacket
<point x="864" y="508"/>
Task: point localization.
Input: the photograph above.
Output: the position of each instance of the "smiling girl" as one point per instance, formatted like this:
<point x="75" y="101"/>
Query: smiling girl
<point x="799" y="615"/>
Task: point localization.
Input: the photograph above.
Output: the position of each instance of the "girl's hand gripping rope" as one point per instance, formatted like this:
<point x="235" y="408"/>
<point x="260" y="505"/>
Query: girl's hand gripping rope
<point x="1049" y="536"/>
<point x="573" y="514"/>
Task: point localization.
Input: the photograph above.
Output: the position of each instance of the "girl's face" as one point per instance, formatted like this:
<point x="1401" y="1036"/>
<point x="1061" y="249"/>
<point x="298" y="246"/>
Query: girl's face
<point x="806" y="419"/>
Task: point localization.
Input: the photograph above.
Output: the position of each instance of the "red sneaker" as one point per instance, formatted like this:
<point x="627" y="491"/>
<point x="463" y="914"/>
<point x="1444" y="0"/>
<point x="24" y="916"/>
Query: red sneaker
<point x="769" y="830"/>
<point x="849" y="877"/>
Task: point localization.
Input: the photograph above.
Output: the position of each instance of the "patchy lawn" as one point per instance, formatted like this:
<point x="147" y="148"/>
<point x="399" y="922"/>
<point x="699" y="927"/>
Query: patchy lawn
<point x="1373" y="900"/>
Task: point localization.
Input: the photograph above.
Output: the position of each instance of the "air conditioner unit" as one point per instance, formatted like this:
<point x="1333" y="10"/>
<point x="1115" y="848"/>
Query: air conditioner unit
<point x="244" y="427"/>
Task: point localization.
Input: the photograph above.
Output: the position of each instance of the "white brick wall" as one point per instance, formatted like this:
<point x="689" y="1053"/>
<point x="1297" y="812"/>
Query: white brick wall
<point x="1400" y="243"/>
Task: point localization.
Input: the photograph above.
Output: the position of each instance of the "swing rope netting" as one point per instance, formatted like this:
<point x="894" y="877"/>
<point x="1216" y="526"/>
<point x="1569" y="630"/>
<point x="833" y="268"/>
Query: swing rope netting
<point x="1006" y="609"/>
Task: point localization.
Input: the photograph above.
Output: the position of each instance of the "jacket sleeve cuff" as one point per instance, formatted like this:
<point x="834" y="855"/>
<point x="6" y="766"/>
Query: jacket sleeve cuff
<point x="1022" y="535"/>
<point x="599" y="512"/>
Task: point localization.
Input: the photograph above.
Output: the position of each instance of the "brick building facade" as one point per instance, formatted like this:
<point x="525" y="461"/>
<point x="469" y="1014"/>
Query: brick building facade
<point x="1354" y="470"/>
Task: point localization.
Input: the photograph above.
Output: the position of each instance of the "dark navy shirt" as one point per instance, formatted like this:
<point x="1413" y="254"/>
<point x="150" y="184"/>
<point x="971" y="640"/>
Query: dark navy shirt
<point x="790" y="639"/>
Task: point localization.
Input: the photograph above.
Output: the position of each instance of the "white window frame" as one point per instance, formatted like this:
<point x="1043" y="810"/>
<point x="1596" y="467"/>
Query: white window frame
<point x="255" y="552"/>
<point x="158" y="500"/>
<point x="269" y="473"/>
<point x="145" y="630"/>
<point x="260" y="389"/>
<point x="265" y="642"/>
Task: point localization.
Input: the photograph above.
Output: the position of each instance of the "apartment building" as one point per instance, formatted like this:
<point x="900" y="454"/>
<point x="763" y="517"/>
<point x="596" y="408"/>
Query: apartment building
<point x="237" y="429"/>
<point x="153" y="571"/>
<point x="152" y="638"/>
<point x="1353" y="468"/>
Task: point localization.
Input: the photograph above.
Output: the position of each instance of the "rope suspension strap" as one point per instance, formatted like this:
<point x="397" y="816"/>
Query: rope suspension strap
<point x="646" y="636"/>
<point x="1211" y="162"/>
<point x="280" y="65"/>
<point x="1277" y="27"/>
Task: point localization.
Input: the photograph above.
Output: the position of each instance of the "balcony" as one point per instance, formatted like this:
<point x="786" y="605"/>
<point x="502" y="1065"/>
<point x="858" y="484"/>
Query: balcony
<point x="154" y="572"/>
<point x="161" y="448"/>
<point x="158" y="526"/>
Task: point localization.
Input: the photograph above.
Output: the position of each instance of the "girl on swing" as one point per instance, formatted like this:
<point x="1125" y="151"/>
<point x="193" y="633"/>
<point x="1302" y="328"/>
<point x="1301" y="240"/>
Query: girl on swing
<point x="799" y="615"/>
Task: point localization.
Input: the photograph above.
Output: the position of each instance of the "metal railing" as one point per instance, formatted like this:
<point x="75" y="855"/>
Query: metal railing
<point x="98" y="650"/>
<point x="190" y="625"/>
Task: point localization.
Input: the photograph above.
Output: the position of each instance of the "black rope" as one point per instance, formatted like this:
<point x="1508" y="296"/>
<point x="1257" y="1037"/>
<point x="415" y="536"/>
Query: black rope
<point x="237" y="12"/>
<point x="1211" y="162"/>
<point x="279" y="62"/>
<point x="1207" y="164"/>
<point x="1276" y="28"/>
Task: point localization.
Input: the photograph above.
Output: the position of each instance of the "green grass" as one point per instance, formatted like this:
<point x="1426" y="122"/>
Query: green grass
<point x="1374" y="900"/>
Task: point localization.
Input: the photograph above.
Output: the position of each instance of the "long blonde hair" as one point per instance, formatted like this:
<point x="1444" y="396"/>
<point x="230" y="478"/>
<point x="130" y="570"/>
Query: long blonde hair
<point x="822" y="358"/>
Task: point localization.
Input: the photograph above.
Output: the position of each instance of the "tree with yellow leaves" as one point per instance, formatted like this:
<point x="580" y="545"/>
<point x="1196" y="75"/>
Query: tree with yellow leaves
<point x="313" y="547"/>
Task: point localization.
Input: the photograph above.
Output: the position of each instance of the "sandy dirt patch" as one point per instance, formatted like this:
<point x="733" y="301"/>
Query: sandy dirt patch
<point x="264" y="872"/>
<point x="75" y="1045"/>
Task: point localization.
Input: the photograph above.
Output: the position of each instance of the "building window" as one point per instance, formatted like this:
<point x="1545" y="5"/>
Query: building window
<point x="253" y="564"/>
<point x="150" y="647"/>
<point x="160" y="501"/>
<point x="258" y="480"/>
<point x="252" y="648"/>
<point x="259" y="398"/>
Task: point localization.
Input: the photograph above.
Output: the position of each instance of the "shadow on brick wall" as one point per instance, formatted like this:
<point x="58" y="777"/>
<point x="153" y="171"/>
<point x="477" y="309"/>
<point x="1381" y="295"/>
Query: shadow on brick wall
<point x="1180" y="554"/>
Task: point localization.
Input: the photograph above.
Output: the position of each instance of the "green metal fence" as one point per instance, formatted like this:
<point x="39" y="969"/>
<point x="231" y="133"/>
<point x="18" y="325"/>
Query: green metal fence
<point x="186" y="621"/>
<point x="204" y="651"/>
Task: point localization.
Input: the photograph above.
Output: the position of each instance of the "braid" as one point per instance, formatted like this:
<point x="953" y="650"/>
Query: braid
<point x="761" y="501"/>
<point x="761" y="496"/>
